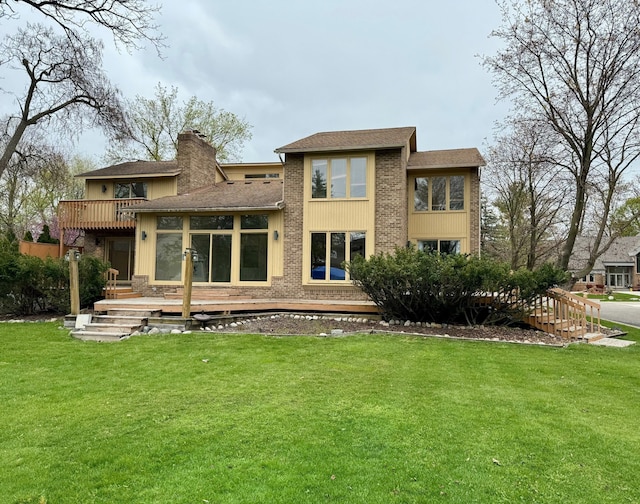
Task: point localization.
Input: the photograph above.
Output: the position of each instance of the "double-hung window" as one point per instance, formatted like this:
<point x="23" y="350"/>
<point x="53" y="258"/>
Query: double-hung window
<point x="339" y="178"/>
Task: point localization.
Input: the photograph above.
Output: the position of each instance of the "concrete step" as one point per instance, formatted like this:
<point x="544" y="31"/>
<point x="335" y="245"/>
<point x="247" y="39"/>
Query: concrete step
<point x="592" y="337"/>
<point x="112" y="328"/>
<point x="105" y="337"/>
<point x="119" y="319"/>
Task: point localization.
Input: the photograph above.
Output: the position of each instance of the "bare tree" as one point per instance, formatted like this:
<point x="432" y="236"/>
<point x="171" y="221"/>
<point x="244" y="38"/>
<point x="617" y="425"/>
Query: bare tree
<point x="154" y="125"/>
<point x="64" y="87"/>
<point x="575" y="66"/>
<point x="129" y="21"/>
<point x="528" y="190"/>
<point x="38" y="176"/>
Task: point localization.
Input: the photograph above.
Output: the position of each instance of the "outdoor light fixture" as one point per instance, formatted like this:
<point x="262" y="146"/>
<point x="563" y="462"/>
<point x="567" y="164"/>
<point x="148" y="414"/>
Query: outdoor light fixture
<point x="104" y="188"/>
<point x="143" y="235"/>
<point x="276" y="235"/>
<point x="193" y="252"/>
<point x="76" y="255"/>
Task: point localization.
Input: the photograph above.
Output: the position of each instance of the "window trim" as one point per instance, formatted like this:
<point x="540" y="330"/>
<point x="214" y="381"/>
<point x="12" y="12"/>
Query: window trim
<point x="430" y="187"/>
<point x="348" y="177"/>
<point x="236" y="233"/>
<point x="419" y="241"/>
<point x="349" y="234"/>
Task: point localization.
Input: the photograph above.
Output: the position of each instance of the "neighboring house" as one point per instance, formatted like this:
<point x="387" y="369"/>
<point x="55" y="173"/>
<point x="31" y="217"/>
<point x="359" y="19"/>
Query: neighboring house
<point x="280" y="230"/>
<point x="617" y="268"/>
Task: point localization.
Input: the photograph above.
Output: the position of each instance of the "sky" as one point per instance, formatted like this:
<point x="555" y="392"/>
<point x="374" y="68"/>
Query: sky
<point x="292" y="68"/>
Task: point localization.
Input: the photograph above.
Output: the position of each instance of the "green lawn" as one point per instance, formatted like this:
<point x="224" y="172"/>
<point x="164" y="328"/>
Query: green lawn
<point x="367" y="419"/>
<point x="624" y="296"/>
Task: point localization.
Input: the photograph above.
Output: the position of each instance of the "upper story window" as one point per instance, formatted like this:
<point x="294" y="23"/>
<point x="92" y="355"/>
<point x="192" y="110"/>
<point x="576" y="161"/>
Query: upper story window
<point x="438" y="193"/>
<point x="261" y="175"/>
<point x="130" y="190"/>
<point x="344" y="177"/>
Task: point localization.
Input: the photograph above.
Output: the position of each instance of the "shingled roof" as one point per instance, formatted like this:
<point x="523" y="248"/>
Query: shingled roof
<point x="618" y="254"/>
<point x="238" y="195"/>
<point x="134" y="169"/>
<point x="388" y="138"/>
<point x="452" y="158"/>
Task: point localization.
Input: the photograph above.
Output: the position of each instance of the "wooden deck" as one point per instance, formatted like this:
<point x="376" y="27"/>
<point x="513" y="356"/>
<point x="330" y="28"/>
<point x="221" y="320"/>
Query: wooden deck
<point x="173" y="306"/>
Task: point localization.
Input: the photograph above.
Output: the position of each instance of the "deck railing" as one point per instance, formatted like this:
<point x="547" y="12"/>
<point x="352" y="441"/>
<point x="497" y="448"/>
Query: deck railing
<point x="98" y="214"/>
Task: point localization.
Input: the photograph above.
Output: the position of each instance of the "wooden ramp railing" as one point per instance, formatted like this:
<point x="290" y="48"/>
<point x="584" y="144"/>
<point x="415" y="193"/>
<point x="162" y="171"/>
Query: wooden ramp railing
<point x="564" y="314"/>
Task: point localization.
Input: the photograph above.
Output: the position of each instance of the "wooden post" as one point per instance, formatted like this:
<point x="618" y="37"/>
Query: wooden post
<point x="188" y="283"/>
<point x="74" y="281"/>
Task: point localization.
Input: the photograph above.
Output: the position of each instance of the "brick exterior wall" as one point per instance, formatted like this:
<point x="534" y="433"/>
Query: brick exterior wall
<point x="196" y="161"/>
<point x="391" y="225"/>
<point x="474" y="212"/>
<point x="291" y="285"/>
<point x="391" y="200"/>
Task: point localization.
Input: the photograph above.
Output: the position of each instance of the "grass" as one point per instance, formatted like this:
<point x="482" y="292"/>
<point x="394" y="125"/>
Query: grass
<point x="362" y="419"/>
<point x="615" y="296"/>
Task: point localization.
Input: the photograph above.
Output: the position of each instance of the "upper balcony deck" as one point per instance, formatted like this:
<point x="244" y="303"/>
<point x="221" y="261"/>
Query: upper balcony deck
<point x="98" y="214"/>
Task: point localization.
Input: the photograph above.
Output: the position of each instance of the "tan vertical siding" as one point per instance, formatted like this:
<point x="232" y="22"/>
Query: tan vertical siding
<point x="445" y="224"/>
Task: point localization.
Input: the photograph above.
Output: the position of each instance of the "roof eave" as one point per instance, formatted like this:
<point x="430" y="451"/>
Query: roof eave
<point x="271" y="208"/>
<point x="440" y="166"/>
<point x="338" y="149"/>
<point x="129" y="176"/>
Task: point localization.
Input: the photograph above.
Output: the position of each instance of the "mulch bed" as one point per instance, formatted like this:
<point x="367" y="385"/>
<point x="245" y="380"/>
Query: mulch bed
<point x="341" y="325"/>
<point x="335" y="326"/>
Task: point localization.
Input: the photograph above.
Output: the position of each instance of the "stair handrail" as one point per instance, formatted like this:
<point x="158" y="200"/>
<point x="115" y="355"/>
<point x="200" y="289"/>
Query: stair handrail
<point x="111" y="283"/>
<point x="560" y="312"/>
<point x="582" y="301"/>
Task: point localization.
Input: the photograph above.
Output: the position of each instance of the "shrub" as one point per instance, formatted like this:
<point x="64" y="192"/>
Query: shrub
<point x="429" y="287"/>
<point x="30" y="285"/>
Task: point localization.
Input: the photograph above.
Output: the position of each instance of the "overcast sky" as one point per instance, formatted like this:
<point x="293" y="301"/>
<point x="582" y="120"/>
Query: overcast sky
<point x="292" y="68"/>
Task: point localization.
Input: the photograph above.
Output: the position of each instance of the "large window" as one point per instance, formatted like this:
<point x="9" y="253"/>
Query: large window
<point x="441" y="246"/>
<point x="130" y="190"/>
<point x="169" y="249"/>
<point x="339" y="178"/>
<point x="215" y="241"/>
<point x="438" y="193"/>
<point x="253" y="248"/>
<point x="330" y="250"/>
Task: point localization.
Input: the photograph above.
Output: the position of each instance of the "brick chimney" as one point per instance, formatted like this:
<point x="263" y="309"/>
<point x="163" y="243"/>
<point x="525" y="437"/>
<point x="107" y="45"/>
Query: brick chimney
<point x="196" y="162"/>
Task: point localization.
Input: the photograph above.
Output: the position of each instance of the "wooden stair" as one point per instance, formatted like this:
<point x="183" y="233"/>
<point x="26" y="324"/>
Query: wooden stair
<point x="114" y="291"/>
<point x="115" y="326"/>
<point x="564" y="314"/>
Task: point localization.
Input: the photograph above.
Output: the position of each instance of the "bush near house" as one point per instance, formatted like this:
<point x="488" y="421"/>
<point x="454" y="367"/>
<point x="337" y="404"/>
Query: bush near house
<point x="30" y="285"/>
<point x="429" y="287"/>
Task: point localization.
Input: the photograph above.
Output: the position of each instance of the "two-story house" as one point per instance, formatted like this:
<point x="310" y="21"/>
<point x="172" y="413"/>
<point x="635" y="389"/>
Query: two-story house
<point x="281" y="230"/>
